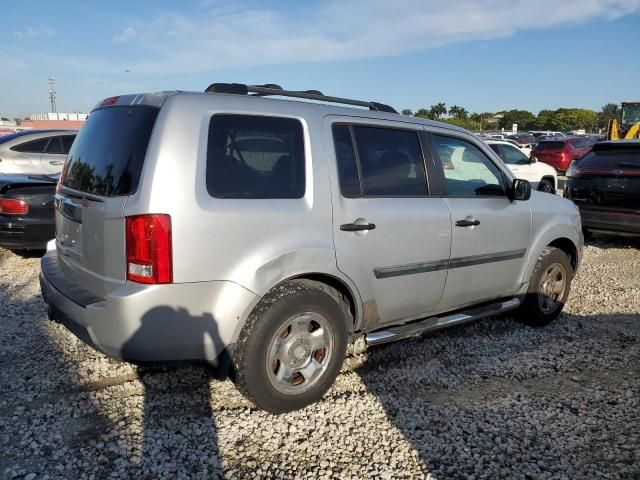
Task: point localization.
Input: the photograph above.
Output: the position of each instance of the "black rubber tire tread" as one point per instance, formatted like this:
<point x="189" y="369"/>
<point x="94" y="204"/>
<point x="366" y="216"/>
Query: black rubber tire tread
<point x="547" y="182"/>
<point x="250" y="377"/>
<point x="530" y="312"/>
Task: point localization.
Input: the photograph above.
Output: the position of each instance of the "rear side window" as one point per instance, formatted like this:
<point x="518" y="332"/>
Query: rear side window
<point x="54" y="147"/>
<point x="67" y="141"/>
<point x="255" y="157"/>
<point x="550" y="146"/>
<point x="581" y="143"/>
<point x="34" y="146"/>
<point x="107" y="155"/>
<point x="386" y="162"/>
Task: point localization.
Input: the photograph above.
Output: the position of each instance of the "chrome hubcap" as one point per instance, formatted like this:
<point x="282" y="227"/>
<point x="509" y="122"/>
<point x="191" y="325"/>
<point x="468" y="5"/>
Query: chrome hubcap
<point x="552" y="287"/>
<point x="299" y="353"/>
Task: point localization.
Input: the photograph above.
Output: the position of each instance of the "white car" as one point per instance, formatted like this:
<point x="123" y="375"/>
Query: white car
<point x="541" y="176"/>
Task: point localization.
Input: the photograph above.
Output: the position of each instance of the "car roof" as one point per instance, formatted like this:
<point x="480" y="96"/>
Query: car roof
<point x="248" y="102"/>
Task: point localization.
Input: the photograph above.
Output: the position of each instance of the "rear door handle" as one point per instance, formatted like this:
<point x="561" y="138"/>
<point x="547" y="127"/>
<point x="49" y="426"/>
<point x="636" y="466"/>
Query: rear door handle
<point x="56" y="162"/>
<point x="468" y="222"/>
<point x="357" y="227"/>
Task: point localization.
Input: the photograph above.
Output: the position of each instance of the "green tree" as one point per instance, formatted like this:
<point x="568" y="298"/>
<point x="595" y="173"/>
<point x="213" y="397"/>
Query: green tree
<point x="423" y="113"/>
<point x="438" y="110"/>
<point x="458" y="112"/>
<point x="407" y="111"/>
<point x="523" y="118"/>
<point x="608" y="112"/>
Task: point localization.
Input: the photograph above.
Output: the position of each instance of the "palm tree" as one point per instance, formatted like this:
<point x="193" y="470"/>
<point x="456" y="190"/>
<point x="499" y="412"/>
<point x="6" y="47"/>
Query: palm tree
<point x="438" y="110"/>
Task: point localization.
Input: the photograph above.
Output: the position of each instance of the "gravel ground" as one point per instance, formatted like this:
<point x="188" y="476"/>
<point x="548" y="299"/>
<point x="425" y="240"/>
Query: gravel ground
<point x="493" y="399"/>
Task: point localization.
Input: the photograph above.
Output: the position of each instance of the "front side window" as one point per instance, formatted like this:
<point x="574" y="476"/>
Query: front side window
<point x="255" y="157"/>
<point x="467" y="171"/>
<point x="34" y="146"/>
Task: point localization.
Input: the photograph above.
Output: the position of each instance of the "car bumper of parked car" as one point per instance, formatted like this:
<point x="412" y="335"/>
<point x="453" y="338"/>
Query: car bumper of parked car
<point x="143" y="323"/>
<point x="610" y="220"/>
<point x="25" y="234"/>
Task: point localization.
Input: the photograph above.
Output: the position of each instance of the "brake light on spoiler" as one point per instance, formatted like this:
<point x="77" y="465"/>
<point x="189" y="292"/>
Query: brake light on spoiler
<point x="149" y="252"/>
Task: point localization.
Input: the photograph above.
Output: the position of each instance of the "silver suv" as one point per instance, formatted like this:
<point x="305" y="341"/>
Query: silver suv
<point x="261" y="235"/>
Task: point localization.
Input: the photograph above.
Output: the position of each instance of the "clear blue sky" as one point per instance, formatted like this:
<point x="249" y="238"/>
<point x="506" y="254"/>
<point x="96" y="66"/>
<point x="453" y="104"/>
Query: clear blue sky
<point x="486" y="55"/>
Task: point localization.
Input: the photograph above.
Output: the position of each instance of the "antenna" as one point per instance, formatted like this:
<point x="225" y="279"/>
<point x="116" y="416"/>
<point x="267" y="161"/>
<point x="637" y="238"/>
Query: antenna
<point x="52" y="93"/>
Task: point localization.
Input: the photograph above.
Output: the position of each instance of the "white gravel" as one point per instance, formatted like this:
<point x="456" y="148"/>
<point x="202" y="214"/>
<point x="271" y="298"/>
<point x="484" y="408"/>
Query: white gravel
<point x="493" y="399"/>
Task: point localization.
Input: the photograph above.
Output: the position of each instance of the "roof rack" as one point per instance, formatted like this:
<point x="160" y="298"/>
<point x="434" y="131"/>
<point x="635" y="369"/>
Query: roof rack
<point x="272" y="89"/>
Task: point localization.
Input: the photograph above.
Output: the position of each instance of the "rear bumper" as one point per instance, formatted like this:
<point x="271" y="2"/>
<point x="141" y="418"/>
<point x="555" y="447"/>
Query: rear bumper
<point x="19" y="234"/>
<point x="610" y="220"/>
<point x="142" y="323"/>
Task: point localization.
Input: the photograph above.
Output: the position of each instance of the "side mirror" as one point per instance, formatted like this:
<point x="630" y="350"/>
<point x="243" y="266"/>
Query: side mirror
<point x="533" y="159"/>
<point x="521" y="189"/>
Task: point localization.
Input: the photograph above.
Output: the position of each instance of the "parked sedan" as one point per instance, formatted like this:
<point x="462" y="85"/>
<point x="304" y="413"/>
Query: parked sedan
<point x="560" y="152"/>
<point x="540" y="175"/>
<point x="26" y="211"/>
<point x="605" y="185"/>
<point x="35" y="151"/>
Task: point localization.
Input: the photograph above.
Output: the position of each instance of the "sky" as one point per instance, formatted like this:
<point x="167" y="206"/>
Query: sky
<point x="485" y="55"/>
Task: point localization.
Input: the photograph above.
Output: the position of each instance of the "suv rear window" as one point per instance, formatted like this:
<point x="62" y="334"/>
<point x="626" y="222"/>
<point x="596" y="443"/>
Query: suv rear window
<point x="550" y="146"/>
<point x="107" y="155"/>
<point x="622" y="159"/>
<point x="250" y="156"/>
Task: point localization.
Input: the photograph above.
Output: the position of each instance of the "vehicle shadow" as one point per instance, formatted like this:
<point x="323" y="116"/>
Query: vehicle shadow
<point x="489" y="399"/>
<point x="606" y="241"/>
<point x="177" y="419"/>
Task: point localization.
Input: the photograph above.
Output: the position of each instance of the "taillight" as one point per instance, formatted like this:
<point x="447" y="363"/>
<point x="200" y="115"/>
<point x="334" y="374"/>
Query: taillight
<point x="149" y="256"/>
<point x="11" y="206"/>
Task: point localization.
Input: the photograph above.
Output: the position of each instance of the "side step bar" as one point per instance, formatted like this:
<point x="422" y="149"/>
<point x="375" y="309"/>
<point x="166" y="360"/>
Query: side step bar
<point x="392" y="334"/>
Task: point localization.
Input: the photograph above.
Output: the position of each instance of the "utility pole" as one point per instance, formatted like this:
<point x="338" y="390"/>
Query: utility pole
<point x="52" y="94"/>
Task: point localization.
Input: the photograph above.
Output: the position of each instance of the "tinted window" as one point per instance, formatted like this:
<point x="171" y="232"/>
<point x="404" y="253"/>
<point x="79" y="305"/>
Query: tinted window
<point x="67" y="141"/>
<point x="496" y="149"/>
<point x="54" y="147"/>
<point x="390" y="161"/>
<point x="513" y="156"/>
<point x="467" y="171"/>
<point x="580" y="143"/>
<point x="550" y="146"/>
<point x="347" y="165"/>
<point x="611" y="159"/>
<point x="107" y="155"/>
<point x="34" y="146"/>
<point x="255" y="157"/>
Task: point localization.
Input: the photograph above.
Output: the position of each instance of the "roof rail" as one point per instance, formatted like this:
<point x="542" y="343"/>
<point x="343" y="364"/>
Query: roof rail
<point x="272" y="89"/>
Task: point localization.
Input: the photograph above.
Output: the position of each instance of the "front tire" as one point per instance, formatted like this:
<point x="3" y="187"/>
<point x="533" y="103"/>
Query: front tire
<point x="292" y="347"/>
<point x="546" y="186"/>
<point x="548" y="289"/>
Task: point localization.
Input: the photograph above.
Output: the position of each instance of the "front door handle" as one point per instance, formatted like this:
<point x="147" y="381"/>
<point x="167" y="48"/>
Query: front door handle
<point x="357" y="227"/>
<point x="468" y="222"/>
<point x="56" y="162"/>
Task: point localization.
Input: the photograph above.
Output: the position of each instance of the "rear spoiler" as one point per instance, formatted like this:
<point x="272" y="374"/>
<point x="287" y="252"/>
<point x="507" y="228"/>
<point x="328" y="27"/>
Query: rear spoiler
<point x="156" y="99"/>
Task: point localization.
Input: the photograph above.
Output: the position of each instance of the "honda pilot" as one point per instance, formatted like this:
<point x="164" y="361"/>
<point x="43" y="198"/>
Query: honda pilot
<point x="261" y="230"/>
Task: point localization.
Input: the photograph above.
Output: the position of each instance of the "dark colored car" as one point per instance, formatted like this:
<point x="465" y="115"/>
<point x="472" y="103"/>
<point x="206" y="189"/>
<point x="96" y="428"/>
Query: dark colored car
<point x="605" y="185"/>
<point x="26" y="211"/>
<point x="560" y="152"/>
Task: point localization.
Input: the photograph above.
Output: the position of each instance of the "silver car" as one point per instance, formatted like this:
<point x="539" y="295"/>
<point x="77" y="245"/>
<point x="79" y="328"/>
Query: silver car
<point x="262" y="234"/>
<point x="35" y="151"/>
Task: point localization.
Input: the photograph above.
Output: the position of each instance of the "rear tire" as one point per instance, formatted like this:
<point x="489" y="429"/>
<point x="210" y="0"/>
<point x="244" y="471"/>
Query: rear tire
<point x="548" y="289"/>
<point x="292" y="347"/>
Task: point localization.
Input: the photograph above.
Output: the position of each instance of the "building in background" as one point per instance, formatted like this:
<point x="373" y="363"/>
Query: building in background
<point x="54" y="120"/>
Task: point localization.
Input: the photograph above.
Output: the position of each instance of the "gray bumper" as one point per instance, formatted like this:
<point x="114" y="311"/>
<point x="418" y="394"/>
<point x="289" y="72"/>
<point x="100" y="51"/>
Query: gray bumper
<point x="157" y="323"/>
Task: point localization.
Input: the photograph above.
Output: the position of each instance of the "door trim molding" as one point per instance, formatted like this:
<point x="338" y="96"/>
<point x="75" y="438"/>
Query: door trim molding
<point x="434" y="266"/>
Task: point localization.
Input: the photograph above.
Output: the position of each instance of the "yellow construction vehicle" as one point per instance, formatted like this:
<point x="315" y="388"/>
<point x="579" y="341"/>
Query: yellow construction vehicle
<point x="629" y="127"/>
